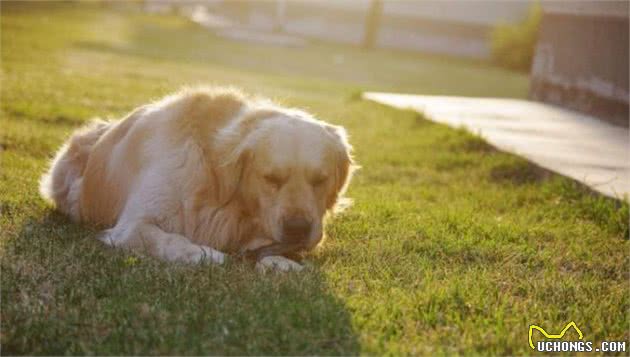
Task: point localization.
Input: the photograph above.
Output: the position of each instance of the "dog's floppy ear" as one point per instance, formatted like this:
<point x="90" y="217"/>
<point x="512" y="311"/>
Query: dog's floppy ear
<point x="230" y="172"/>
<point x="344" y="169"/>
<point x="234" y="151"/>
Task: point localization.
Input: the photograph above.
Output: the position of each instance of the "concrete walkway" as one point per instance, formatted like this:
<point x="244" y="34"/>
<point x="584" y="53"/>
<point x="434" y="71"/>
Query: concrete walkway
<point x="572" y="144"/>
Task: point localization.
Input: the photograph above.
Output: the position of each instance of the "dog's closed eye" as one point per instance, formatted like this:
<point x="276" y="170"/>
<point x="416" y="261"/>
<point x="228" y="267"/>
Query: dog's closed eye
<point x="319" y="180"/>
<point x="275" y="180"/>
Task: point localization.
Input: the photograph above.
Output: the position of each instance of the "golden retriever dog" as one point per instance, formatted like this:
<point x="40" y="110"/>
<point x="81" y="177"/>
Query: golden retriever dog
<point x="205" y="172"/>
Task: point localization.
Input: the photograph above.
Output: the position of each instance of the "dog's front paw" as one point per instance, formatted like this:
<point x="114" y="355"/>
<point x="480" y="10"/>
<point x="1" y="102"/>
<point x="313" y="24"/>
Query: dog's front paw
<point x="209" y="255"/>
<point x="277" y="263"/>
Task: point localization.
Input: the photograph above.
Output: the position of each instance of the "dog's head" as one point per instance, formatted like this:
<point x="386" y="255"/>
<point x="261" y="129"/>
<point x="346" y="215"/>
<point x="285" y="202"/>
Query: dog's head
<point x="287" y="171"/>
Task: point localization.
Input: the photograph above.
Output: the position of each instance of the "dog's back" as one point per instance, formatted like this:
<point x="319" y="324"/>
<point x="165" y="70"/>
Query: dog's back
<point x="93" y="174"/>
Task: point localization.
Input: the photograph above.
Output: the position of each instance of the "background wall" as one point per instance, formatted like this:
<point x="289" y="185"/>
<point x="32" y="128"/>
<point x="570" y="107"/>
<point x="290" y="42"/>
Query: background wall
<point x="581" y="59"/>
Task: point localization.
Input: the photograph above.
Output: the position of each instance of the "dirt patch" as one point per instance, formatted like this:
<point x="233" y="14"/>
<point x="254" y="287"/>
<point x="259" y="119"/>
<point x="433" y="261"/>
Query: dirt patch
<point x="519" y="173"/>
<point x="420" y="120"/>
<point x="476" y="144"/>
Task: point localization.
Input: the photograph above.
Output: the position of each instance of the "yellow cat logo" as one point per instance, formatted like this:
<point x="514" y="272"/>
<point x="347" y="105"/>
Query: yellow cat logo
<point x="558" y="336"/>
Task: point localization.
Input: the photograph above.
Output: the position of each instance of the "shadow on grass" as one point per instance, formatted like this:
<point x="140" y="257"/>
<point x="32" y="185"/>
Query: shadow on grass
<point x="64" y="293"/>
<point x="467" y="150"/>
<point x="609" y="213"/>
<point x="519" y="172"/>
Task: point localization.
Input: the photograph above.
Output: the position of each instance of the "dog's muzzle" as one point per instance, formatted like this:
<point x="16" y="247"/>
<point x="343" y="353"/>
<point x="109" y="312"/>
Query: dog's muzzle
<point x="296" y="229"/>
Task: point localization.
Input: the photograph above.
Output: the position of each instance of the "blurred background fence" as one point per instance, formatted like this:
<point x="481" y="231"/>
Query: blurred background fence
<point x="575" y="51"/>
<point x="459" y="28"/>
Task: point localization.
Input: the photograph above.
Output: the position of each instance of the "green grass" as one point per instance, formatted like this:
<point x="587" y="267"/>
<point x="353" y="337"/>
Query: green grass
<point x="451" y="247"/>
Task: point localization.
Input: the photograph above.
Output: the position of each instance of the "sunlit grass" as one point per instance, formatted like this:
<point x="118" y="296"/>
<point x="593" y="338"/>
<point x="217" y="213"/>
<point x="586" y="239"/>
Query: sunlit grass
<point x="451" y="247"/>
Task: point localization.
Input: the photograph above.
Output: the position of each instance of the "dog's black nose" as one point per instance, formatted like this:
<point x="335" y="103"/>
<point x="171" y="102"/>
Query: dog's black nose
<point x="296" y="228"/>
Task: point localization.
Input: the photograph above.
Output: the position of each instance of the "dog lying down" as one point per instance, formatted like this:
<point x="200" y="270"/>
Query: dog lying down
<point x="202" y="173"/>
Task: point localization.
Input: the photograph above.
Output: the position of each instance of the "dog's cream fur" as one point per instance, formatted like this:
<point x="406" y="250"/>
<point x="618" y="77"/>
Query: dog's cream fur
<point x="202" y="172"/>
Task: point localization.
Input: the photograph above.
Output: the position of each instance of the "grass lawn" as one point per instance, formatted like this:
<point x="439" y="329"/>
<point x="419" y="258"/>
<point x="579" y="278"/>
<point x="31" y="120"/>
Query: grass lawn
<point x="451" y="246"/>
